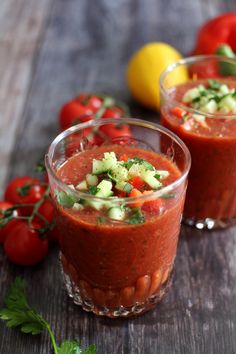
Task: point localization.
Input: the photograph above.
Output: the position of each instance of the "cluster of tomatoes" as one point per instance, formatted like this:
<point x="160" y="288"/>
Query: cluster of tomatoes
<point x="27" y="222"/>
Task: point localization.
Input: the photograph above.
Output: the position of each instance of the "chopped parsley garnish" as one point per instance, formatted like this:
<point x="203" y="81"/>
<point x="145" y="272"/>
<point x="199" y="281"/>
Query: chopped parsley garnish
<point x="216" y="98"/>
<point x="136" y="217"/>
<point x="93" y="190"/>
<point x="65" y="199"/>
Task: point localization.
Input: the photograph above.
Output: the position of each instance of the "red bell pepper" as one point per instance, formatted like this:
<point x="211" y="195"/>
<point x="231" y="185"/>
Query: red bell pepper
<point x="219" y="30"/>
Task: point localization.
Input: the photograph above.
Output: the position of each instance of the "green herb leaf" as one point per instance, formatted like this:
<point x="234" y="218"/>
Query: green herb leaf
<point x="65" y="199"/>
<point x="213" y="84"/>
<point x="146" y="164"/>
<point x="90" y="350"/>
<point x="136" y="218"/>
<point x="93" y="190"/>
<point x="19" y="313"/>
<point x="40" y="167"/>
<point x="69" y="347"/>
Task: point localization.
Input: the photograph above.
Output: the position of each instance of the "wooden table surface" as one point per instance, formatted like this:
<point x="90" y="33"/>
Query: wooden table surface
<point x="50" y="51"/>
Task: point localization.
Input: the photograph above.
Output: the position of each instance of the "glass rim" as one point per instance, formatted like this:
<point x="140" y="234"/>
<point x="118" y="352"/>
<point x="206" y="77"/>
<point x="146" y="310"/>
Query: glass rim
<point x="187" y="61"/>
<point x="132" y="121"/>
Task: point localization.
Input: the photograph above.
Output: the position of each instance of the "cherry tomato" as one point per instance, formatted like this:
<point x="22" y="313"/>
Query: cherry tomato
<point x="24" y="190"/>
<point x="203" y="71"/>
<point x="73" y="113"/>
<point x="24" y="246"/>
<point x="124" y="158"/>
<point x="114" y="112"/>
<point x="136" y="182"/>
<point x="5" y="229"/>
<point x="90" y="101"/>
<point x="116" y="131"/>
<point x="135" y="193"/>
<point x="47" y="211"/>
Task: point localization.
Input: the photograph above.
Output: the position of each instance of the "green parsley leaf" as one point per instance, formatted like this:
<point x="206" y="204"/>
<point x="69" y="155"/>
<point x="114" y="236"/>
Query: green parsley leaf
<point x="213" y="84"/>
<point x="69" y="347"/>
<point x="136" y="218"/>
<point x="40" y="167"/>
<point x="65" y="199"/>
<point x="19" y="313"/>
<point x="90" y="350"/>
<point x="93" y="190"/>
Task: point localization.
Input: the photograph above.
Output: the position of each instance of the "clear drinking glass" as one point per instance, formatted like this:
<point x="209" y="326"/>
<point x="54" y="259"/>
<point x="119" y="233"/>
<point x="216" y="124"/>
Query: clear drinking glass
<point x="115" y="268"/>
<point x="210" y="137"/>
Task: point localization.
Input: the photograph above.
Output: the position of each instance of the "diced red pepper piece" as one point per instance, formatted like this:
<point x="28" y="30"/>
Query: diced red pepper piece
<point x="178" y="112"/>
<point x="136" y="182"/>
<point x="124" y="158"/>
<point x="136" y="193"/>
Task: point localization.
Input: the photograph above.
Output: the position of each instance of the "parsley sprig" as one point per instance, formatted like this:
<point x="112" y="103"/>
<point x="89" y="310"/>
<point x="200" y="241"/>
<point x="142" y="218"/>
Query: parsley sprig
<point x="18" y="313"/>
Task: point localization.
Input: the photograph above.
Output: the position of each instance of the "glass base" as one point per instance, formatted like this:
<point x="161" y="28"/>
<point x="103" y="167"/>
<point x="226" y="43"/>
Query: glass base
<point x="209" y="224"/>
<point x="82" y="296"/>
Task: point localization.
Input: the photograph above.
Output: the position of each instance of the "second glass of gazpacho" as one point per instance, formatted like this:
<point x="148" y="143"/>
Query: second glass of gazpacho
<point x="201" y="110"/>
<point x="118" y="206"/>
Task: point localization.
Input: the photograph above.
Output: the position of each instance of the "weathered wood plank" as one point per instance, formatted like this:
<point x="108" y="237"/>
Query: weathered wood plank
<point x="86" y="46"/>
<point x="21" y="29"/>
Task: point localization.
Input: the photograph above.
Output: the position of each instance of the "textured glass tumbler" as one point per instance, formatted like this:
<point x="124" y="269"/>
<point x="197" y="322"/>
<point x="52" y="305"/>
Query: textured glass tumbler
<point x="115" y="268"/>
<point x="211" y="195"/>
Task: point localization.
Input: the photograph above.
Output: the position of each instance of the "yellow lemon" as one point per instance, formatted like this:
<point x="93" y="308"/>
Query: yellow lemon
<point x="144" y="69"/>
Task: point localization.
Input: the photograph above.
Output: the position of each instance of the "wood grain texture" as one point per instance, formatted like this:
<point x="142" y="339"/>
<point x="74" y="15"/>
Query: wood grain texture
<point x="84" y="45"/>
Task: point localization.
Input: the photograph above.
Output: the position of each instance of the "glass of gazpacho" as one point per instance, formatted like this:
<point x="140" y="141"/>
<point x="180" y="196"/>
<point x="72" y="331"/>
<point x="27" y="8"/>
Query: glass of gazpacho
<point x="118" y="207"/>
<point x="201" y="110"/>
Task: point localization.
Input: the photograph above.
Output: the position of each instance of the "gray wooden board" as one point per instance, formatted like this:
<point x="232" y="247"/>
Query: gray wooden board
<point x="84" y="46"/>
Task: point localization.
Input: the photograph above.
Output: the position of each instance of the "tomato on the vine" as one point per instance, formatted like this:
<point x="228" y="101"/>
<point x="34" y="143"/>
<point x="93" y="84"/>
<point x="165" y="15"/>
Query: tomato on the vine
<point x="114" y="112"/>
<point x="114" y="131"/>
<point x="6" y="228"/>
<point x="203" y="71"/>
<point x="24" y="190"/>
<point x="24" y="245"/>
<point x="73" y="112"/>
<point x="92" y="102"/>
<point x="47" y="211"/>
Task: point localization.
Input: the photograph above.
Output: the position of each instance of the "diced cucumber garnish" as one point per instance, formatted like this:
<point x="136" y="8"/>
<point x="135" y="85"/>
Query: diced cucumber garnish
<point x="98" y="167"/>
<point x="119" y="173"/>
<point x="136" y="170"/>
<point x="91" y="180"/>
<point x="210" y="107"/>
<point x="228" y="103"/>
<point x="78" y="207"/>
<point x="161" y="174"/>
<point x="124" y="186"/>
<point x="191" y="95"/>
<point x="116" y="213"/>
<point x="104" y="189"/>
<point x="82" y="186"/>
<point x="217" y="98"/>
<point x="150" y="179"/>
<point x="199" y="118"/>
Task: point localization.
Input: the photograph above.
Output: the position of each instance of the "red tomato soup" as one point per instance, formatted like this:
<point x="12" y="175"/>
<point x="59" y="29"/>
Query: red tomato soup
<point x="212" y="143"/>
<point x="120" y="263"/>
